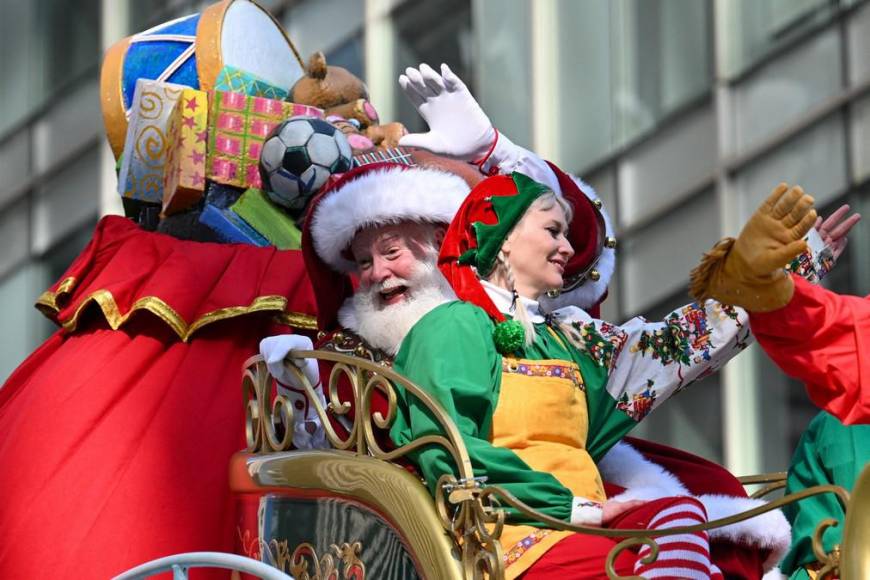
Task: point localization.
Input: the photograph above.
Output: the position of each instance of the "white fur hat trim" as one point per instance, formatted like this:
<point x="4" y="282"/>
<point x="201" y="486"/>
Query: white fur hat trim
<point x="381" y="197"/>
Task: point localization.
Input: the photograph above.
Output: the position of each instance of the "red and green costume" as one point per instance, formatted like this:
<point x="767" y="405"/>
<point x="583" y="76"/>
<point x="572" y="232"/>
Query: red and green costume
<point x="829" y="453"/>
<point x="823" y="339"/>
<point x="537" y="418"/>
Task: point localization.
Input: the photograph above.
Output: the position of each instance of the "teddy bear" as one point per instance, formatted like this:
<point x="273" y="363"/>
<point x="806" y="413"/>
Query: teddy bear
<point x="345" y="101"/>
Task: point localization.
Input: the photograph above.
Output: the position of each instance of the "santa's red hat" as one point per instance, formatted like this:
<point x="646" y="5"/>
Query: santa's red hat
<point x="370" y="195"/>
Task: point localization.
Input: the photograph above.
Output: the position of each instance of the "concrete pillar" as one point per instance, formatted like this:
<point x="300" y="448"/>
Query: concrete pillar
<point x="380" y="57"/>
<point x="545" y="88"/>
<point x="115" y="25"/>
<point x="741" y="412"/>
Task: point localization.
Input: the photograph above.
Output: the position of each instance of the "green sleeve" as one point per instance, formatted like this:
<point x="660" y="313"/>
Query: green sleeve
<point x="450" y="354"/>
<point x="608" y="424"/>
<point x="828" y="453"/>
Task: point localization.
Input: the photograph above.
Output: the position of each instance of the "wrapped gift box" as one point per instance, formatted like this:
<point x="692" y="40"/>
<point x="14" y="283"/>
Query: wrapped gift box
<point x="238" y="124"/>
<point x="268" y="219"/>
<point x="184" y="172"/>
<point x="232" y="79"/>
<point x="229" y="227"/>
<point x="147" y="144"/>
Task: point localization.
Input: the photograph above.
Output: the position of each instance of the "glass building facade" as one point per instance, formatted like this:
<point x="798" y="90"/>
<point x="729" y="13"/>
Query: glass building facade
<point x="683" y="114"/>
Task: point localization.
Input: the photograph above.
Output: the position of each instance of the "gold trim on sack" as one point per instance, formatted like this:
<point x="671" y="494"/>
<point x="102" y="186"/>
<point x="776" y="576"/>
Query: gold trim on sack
<point x="47" y="301"/>
<point x="47" y="304"/>
<point x="298" y="320"/>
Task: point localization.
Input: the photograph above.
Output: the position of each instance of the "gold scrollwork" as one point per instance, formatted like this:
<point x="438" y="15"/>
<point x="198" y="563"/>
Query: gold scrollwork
<point x="469" y="511"/>
<point x="830" y="561"/>
<point x="464" y="511"/>
<point x="325" y="567"/>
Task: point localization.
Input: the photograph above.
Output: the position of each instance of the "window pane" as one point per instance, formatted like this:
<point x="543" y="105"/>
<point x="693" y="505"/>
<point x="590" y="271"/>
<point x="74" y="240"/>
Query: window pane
<point x="331" y="26"/>
<point x="751" y="29"/>
<point x="20" y="62"/>
<point x="431" y="32"/>
<point x="14" y="236"/>
<point x="861" y="140"/>
<point x="73" y="119"/>
<point x="14" y="164"/>
<point x="65" y="203"/>
<point x="666" y="165"/>
<point x="655" y="261"/>
<point x="815" y="160"/>
<point x="585" y="90"/>
<point x="787" y="88"/>
<point x="503" y="41"/>
<point x="71" y="31"/>
<point x="626" y="65"/>
<point x="30" y="327"/>
<point x="665" y="59"/>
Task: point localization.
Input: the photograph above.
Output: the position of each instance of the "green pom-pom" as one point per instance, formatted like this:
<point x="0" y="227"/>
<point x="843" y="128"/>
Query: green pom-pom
<point x="508" y="336"/>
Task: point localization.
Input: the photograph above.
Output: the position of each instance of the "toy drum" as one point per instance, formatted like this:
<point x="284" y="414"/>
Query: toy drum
<point x="192" y="51"/>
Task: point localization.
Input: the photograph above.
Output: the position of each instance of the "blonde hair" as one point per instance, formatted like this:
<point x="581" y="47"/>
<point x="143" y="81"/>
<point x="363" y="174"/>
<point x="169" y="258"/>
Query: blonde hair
<point x="503" y="268"/>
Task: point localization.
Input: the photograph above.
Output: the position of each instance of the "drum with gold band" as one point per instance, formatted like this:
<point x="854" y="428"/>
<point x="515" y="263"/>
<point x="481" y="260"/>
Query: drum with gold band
<point x="192" y="51"/>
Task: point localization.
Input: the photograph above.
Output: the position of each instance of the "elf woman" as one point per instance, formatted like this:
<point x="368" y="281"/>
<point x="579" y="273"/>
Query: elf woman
<point x="538" y="398"/>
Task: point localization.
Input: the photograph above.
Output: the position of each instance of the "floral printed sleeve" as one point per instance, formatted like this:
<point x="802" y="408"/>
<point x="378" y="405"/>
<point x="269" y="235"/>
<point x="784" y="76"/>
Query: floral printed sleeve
<point x="649" y="362"/>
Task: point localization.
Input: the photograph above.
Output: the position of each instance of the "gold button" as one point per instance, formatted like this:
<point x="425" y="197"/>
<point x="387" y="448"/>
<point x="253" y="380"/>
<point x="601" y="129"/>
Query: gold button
<point x="594" y="275"/>
<point x="609" y="242"/>
<point x="597" y="203"/>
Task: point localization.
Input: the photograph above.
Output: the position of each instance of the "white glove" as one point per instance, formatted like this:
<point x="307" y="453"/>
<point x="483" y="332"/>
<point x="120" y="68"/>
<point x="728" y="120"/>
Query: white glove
<point x="458" y="127"/>
<point x="308" y="432"/>
<point x="274" y="350"/>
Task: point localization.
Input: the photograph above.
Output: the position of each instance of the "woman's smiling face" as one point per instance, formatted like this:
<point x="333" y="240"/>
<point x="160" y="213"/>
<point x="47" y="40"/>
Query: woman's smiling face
<point x="537" y="249"/>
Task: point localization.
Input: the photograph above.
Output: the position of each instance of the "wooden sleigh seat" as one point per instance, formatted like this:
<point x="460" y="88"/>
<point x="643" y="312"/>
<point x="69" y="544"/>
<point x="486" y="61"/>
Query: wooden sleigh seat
<point x="354" y="512"/>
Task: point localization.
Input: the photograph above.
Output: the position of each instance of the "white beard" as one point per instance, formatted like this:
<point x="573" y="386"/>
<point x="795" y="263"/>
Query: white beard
<point x="384" y="327"/>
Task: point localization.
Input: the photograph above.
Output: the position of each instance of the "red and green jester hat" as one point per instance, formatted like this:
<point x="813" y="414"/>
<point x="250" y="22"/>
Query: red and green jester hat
<point x="479" y="229"/>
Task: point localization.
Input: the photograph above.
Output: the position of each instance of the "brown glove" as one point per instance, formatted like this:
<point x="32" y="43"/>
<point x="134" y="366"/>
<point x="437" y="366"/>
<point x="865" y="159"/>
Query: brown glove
<point x="748" y="271"/>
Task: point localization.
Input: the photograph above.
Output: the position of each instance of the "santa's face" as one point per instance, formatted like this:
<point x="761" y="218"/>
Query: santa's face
<point x="387" y="257"/>
<point x="399" y="283"/>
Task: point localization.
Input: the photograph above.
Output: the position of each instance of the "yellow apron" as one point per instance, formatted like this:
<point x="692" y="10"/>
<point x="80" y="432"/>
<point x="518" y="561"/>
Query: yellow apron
<point x="542" y="416"/>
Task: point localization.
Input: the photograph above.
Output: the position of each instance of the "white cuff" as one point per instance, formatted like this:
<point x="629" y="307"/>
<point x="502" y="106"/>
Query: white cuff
<point x="508" y="157"/>
<point x="586" y="512"/>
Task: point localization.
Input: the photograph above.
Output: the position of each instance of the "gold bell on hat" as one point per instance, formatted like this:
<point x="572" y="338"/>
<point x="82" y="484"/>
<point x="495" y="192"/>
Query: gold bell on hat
<point x="594" y="275"/>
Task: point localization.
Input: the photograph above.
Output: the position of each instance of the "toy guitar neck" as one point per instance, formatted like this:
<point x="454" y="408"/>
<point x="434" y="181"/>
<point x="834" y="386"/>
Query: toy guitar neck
<point x="393" y="155"/>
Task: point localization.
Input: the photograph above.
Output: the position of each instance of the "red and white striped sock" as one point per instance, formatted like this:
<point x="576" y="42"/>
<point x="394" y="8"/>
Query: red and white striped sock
<point x="683" y="556"/>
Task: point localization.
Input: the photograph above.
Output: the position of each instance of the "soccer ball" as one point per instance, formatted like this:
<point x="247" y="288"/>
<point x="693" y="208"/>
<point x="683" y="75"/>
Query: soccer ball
<point x="298" y="157"/>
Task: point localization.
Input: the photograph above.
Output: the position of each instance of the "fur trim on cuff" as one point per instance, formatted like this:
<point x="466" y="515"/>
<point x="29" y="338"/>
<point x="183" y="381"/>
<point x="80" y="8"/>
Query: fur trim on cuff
<point x="769" y="530"/>
<point x="383" y="197"/>
<point x="643" y="479"/>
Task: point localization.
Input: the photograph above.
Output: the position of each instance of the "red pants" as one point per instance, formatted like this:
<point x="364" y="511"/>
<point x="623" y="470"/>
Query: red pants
<point x="583" y="556"/>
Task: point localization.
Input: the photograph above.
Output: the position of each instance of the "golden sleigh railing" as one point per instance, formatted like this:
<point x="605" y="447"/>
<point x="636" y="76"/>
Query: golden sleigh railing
<point x="457" y="535"/>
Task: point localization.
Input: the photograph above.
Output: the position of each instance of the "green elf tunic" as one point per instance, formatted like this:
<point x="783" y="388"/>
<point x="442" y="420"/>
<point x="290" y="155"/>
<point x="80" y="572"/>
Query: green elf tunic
<point x="535" y="422"/>
<point x="524" y="419"/>
<point x="828" y="453"/>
